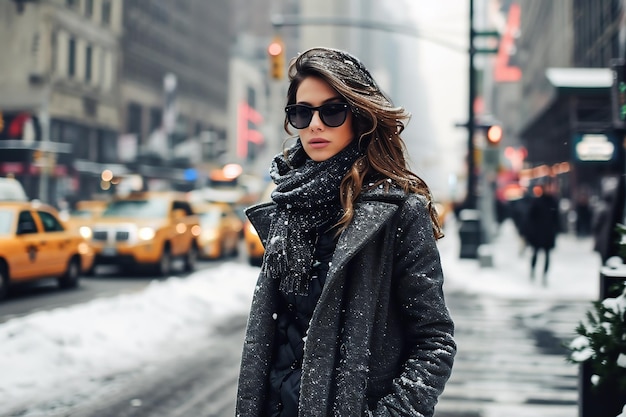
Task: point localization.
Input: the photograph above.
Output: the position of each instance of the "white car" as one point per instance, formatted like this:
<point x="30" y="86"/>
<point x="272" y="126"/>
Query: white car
<point x="11" y="190"/>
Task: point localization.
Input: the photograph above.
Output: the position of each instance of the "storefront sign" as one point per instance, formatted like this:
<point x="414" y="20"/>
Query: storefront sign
<point x="594" y="147"/>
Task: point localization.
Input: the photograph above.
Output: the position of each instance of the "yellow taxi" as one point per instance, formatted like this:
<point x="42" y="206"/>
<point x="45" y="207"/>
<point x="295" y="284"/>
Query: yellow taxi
<point x="147" y="230"/>
<point x="82" y="216"/>
<point x="34" y="244"/>
<point x="254" y="247"/>
<point x="221" y="230"/>
<point x="443" y="209"/>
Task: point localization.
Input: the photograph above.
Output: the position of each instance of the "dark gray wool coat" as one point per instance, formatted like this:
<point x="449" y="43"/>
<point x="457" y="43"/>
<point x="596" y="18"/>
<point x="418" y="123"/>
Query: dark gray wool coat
<point x="381" y="333"/>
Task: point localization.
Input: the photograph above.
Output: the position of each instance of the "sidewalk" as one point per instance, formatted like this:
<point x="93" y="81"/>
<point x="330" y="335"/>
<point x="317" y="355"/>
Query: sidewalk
<point x="510" y="330"/>
<point x="573" y="273"/>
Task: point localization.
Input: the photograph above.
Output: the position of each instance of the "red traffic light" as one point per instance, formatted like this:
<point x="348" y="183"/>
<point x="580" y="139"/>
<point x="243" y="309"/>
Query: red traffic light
<point x="275" y="49"/>
<point x="494" y="134"/>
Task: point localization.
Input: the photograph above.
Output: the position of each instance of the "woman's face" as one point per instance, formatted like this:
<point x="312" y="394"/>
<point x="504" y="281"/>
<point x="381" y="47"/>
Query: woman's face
<point x="321" y="142"/>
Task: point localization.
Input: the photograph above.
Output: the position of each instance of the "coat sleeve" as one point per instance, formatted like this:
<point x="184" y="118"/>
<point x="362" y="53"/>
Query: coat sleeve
<point x="426" y="321"/>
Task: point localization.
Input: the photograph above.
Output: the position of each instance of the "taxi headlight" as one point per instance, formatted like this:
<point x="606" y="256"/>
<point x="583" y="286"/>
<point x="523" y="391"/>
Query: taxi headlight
<point x="252" y="230"/>
<point x="85" y="232"/>
<point x="209" y="234"/>
<point x="146" y="233"/>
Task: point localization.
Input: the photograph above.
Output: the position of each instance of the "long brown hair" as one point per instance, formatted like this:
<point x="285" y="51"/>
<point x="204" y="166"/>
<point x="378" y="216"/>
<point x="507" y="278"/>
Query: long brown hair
<point x="377" y="124"/>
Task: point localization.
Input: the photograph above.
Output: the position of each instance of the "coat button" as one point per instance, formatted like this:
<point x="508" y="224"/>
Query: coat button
<point x="294" y="365"/>
<point x="343" y="350"/>
<point x="290" y="307"/>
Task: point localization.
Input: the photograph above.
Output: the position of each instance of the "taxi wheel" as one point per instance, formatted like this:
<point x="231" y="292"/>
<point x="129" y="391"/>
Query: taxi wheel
<point x="164" y="266"/>
<point x="72" y="275"/>
<point x="191" y="258"/>
<point x="235" y="251"/>
<point x="4" y="281"/>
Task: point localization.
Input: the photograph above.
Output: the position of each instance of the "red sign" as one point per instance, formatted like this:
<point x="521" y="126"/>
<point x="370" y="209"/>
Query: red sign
<point x="12" y="168"/>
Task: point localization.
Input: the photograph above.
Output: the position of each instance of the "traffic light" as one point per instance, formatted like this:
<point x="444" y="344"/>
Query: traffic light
<point x="494" y="135"/>
<point x="276" y="52"/>
<point x="618" y="93"/>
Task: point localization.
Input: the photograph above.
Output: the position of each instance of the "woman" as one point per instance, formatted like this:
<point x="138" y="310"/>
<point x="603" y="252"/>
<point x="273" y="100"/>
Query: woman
<point x="348" y="317"/>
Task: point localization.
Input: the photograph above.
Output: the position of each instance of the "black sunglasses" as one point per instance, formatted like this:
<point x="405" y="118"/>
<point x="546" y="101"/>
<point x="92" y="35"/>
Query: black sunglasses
<point x="332" y="114"/>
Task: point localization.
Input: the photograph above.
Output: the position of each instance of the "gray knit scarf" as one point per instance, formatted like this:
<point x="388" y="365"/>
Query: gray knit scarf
<point x="307" y="197"/>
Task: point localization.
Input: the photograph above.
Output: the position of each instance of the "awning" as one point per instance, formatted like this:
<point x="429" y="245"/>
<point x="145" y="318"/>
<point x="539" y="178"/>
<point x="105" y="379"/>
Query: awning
<point x="580" y="79"/>
<point x="580" y="101"/>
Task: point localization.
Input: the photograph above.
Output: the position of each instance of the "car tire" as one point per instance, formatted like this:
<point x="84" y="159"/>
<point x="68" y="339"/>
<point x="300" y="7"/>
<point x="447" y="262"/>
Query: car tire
<point x="72" y="275"/>
<point x="235" y="252"/>
<point x="191" y="258"/>
<point x="164" y="265"/>
<point x="4" y="281"/>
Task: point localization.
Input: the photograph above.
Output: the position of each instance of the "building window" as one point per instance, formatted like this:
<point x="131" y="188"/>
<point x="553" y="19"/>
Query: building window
<point x="133" y="122"/>
<point x="71" y="3"/>
<point x="71" y="57"/>
<point x="88" y="8"/>
<point x="88" y="59"/>
<point x="156" y="118"/>
<point x="106" y="12"/>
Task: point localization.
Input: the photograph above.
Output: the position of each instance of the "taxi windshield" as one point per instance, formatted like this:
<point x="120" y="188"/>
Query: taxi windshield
<point x="83" y="214"/>
<point x="6" y="220"/>
<point x="152" y="208"/>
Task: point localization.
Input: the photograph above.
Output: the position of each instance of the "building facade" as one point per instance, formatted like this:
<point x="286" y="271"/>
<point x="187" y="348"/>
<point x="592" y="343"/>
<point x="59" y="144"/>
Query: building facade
<point x="83" y="90"/>
<point x="565" y="119"/>
<point x="170" y="130"/>
<point x="58" y="93"/>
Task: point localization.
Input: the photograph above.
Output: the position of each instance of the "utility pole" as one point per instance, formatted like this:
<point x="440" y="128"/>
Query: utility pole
<point x="470" y="231"/>
<point x="46" y="152"/>
<point x="470" y="199"/>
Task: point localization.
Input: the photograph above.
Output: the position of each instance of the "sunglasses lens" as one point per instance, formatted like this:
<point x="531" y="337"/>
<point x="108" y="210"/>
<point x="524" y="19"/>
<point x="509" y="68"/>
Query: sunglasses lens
<point x="333" y="115"/>
<point x="299" y="116"/>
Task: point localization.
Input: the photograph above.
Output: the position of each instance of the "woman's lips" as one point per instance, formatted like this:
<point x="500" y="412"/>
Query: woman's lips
<point x="318" y="143"/>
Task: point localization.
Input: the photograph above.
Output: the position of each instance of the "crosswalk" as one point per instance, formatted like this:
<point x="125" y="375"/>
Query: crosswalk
<point x="511" y="360"/>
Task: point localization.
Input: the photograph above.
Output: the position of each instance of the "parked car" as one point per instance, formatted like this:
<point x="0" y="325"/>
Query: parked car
<point x="34" y="244"/>
<point x="222" y="230"/>
<point x="147" y="230"/>
<point x="83" y="215"/>
<point x="443" y="209"/>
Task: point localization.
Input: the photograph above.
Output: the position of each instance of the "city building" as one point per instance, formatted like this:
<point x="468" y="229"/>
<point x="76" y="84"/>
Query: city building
<point x="174" y="87"/>
<point x="123" y="86"/>
<point x="58" y="93"/>
<point x="566" y="119"/>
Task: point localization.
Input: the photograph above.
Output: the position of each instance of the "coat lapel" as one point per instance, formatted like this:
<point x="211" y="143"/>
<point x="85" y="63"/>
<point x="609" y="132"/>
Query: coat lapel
<point x="369" y="217"/>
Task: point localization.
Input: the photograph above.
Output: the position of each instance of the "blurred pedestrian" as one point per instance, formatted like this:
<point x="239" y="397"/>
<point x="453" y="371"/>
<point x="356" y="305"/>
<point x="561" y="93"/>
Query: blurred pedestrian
<point x="542" y="226"/>
<point x="609" y="212"/>
<point x="518" y="208"/>
<point x="348" y="317"/>
<point x="583" y="214"/>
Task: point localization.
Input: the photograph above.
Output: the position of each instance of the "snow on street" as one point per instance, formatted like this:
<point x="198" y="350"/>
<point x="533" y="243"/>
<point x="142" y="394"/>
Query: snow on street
<point x="75" y="350"/>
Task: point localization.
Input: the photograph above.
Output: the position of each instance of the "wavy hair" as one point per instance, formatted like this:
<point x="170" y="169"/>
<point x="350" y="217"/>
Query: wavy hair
<point x="377" y="124"/>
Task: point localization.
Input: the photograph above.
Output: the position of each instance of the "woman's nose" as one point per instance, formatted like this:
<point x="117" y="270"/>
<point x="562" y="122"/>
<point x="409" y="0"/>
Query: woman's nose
<point x="316" y="122"/>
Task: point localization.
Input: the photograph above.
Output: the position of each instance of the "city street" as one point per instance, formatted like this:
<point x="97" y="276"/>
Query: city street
<point x="510" y="359"/>
<point x="135" y="135"/>
<point x="510" y="333"/>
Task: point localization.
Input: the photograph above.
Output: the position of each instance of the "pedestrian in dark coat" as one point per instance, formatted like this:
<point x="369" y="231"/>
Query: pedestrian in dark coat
<point x="542" y="226"/>
<point x="609" y="213"/>
<point x="348" y="316"/>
